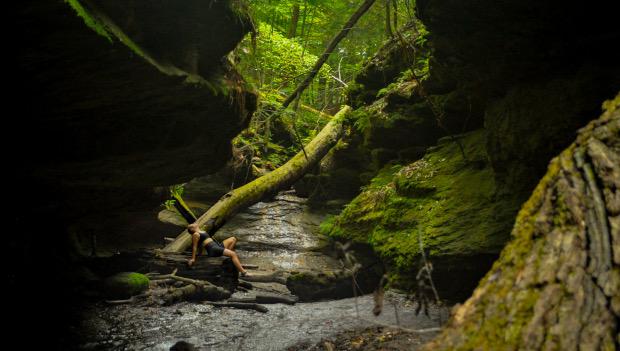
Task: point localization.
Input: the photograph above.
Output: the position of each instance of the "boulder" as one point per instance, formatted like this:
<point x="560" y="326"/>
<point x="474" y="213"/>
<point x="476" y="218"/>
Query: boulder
<point x="124" y="285"/>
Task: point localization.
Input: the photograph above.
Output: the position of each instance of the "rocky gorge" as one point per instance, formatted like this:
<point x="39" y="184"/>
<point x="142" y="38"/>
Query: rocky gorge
<point x="455" y="121"/>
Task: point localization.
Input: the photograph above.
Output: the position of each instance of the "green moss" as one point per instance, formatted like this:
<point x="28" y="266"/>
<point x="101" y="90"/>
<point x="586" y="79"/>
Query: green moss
<point x="99" y="23"/>
<point x="126" y="284"/>
<point x="296" y="276"/>
<point x="452" y="203"/>
<point x="612" y="104"/>
<point x="89" y="20"/>
<point x="318" y="279"/>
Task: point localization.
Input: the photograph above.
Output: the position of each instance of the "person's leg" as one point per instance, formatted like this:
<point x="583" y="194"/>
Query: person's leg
<point x="235" y="259"/>
<point x="230" y="243"/>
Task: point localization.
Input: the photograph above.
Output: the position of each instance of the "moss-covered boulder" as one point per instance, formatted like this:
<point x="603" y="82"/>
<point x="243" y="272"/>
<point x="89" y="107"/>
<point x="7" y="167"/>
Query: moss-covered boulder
<point x="450" y="202"/>
<point x="124" y="285"/>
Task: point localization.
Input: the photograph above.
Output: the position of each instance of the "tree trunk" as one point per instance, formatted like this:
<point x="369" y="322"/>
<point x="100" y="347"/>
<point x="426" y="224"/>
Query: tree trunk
<point x="217" y="270"/>
<point x="330" y="48"/>
<point x="556" y="285"/>
<point x="240" y="305"/>
<point x="388" y="22"/>
<point x="267" y="185"/>
<point x="194" y="290"/>
<point x="395" y="16"/>
<point x="267" y="299"/>
<point x="303" y="20"/>
<point x="292" y="29"/>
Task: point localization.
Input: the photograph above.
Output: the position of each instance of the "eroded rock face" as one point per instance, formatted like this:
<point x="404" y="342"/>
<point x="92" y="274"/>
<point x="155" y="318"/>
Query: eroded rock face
<point x="111" y="99"/>
<point x="521" y="70"/>
<point x="541" y="70"/>
<point x="154" y="103"/>
<point x="445" y="201"/>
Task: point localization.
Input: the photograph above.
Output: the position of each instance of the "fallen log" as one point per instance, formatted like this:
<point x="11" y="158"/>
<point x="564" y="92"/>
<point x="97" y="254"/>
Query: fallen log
<point x="195" y="290"/>
<point x="267" y="185"/>
<point x="217" y="270"/>
<point x="306" y="108"/>
<point x="241" y="305"/>
<point x="267" y="299"/>
<point x="156" y="281"/>
<point x="275" y="277"/>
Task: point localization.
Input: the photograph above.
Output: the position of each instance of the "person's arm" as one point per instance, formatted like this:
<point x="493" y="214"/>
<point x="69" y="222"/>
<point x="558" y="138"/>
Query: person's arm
<point x="195" y="239"/>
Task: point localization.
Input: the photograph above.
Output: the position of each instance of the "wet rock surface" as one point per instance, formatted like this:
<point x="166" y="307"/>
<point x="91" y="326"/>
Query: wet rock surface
<point x="277" y="236"/>
<point x="373" y="338"/>
<point x="211" y="328"/>
<point x="280" y="235"/>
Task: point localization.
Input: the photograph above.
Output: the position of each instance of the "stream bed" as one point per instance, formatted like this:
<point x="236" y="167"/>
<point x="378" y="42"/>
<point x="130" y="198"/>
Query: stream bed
<point x="278" y="235"/>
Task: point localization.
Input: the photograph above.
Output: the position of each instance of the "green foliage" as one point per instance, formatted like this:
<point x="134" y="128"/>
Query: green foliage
<point x="321" y="20"/>
<point x="276" y="64"/>
<point x="175" y="190"/>
<point x="423" y="52"/>
<point x="362" y="119"/>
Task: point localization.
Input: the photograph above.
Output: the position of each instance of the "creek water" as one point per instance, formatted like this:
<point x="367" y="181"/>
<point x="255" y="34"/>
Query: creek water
<point x="281" y="234"/>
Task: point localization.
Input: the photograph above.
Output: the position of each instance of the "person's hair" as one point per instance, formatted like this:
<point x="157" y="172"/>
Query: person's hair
<point x="193" y="228"/>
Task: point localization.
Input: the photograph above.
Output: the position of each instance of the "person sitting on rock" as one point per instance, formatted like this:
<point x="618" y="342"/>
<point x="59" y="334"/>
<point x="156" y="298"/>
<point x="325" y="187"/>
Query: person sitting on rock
<point x="202" y="241"/>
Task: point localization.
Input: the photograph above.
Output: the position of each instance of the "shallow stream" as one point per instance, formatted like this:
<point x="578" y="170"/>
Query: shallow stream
<point x="278" y="235"/>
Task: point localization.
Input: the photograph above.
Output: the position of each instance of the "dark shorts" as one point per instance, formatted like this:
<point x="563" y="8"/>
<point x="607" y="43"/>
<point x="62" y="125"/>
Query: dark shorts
<point x="214" y="249"/>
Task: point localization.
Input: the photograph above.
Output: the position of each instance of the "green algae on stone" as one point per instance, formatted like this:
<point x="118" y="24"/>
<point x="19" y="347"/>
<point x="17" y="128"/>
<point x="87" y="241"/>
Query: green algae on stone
<point x="125" y="284"/>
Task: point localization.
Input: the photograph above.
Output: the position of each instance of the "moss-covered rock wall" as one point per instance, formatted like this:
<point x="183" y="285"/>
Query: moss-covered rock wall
<point x="448" y="203"/>
<point x="524" y="74"/>
<point x="116" y="98"/>
<point x="122" y="107"/>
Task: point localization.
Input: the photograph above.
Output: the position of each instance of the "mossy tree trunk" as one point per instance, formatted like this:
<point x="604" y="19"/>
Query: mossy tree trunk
<point x="269" y="184"/>
<point x="557" y="284"/>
